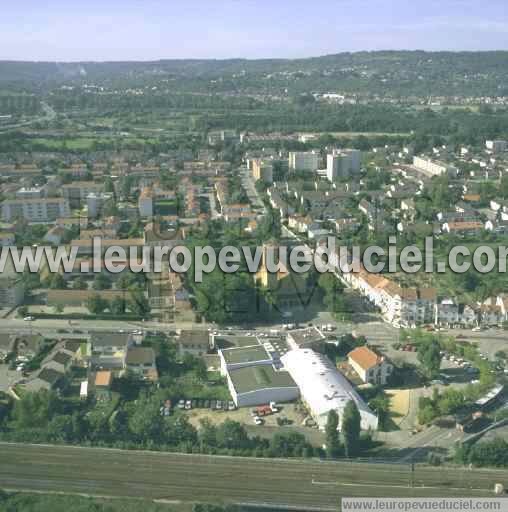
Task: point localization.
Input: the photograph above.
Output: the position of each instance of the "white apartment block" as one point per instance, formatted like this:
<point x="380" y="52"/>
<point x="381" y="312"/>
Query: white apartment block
<point x="307" y="161"/>
<point x="496" y="146"/>
<point x="433" y="167"/>
<point x="77" y="191"/>
<point x="35" y="210"/>
<point x="342" y="163"/>
<point x="31" y="193"/>
<point x="399" y="306"/>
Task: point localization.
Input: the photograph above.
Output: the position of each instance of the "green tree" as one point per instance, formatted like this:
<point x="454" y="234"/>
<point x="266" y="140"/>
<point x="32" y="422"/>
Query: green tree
<point x="118" y="305"/>
<point x="232" y="435"/>
<point x="96" y="304"/>
<point x="101" y="282"/>
<point x="31" y="280"/>
<point x="139" y="304"/>
<point x="145" y="422"/>
<point x="22" y="311"/>
<point x="351" y="429"/>
<point x="430" y="357"/>
<point x="332" y="434"/>
<point x="109" y="187"/>
<point x="79" y="284"/>
<point x="35" y="410"/>
<point x="289" y="444"/>
<point x="57" y="282"/>
<point x="207" y="433"/>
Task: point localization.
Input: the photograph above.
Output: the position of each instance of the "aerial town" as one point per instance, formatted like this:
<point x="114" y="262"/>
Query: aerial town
<point x="283" y="374"/>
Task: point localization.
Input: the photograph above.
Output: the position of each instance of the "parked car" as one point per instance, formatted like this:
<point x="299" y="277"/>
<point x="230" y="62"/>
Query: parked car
<point x="181" y="404"/>
<point x="218" y="405"/>
<point x="258" y="420"/>
<point x="188" y="404"/>
<point x="231" y="405"/>
<point x="273" y="407"/>
<point x="29" y="318"/>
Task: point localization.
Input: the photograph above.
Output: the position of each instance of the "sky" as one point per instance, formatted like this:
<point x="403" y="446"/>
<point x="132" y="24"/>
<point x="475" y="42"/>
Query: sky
<point x="105" y="30"/>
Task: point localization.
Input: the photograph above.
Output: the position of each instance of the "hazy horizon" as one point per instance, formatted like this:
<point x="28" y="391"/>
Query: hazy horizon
<point x="129" y="30"/>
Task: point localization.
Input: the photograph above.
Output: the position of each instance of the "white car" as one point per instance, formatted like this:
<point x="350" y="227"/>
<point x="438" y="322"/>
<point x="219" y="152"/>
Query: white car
<point x="29" y="319"/>
<point x="258" y="420"/>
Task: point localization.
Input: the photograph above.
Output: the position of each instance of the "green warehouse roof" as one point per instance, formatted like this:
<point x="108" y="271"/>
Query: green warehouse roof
<point x="245" y="354"/>
<point x="254" y="378"/>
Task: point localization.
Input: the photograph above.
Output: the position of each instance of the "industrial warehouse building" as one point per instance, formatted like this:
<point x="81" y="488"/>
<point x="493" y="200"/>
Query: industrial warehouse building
<point x="253" y="376"/>
<point x="323" y="387"/>
<point x="261" y="384"/>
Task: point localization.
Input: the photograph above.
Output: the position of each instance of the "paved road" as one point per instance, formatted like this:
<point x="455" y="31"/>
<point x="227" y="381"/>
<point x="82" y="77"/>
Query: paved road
<point x="307" y="485"/>
<point x="50" y="327"/>
<point x="250" y="188"/>
<point x="49" y="115"/>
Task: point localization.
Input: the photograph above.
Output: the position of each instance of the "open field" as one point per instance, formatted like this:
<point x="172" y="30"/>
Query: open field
<point x="309" y="485"/>
<point x="399" y="404"/>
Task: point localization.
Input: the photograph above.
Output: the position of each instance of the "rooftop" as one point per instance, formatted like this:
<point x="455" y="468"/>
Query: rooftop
<point x="305" y="336"/>
<point x="194" y="337"/>
<point x="140" y="355"/>
<point x="49" y="375"/>
<point x="254" y="378"/>
<point x="110" y="339"/>
<point x="245" y="354"/>
<point x="103" y="378"/>
<point x="365" y="357"/>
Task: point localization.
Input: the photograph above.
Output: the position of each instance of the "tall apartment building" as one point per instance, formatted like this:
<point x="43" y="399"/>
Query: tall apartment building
<point x="95" y="203"/>
<point x="35" y="210"/>
<point x="77" y="191"/>
<point x="343" y="163"/>
<point x="262" y="170"/>
<point x="307" y="161"/>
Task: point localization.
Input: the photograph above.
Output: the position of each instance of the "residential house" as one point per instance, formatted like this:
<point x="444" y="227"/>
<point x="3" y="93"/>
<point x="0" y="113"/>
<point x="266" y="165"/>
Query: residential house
<point x="109" y="350"/>
<point x="196" y="342"/>
<point x="141" y="361"/>
<point x="102" y="385"/>
<point x="370" y="366"/>
<point x="45" y="378"/>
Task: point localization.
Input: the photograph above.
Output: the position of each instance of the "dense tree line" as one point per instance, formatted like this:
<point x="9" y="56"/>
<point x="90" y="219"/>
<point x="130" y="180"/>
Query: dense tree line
<point x="484" y="453"/>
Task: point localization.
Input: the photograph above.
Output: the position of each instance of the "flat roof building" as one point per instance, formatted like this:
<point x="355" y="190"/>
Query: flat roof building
<point x="261" y="384"/>
<point x="239" y="357"/>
